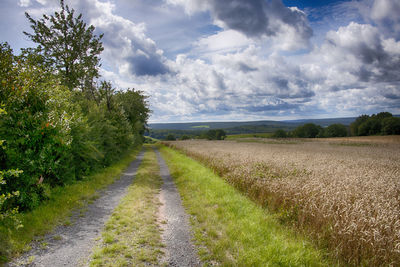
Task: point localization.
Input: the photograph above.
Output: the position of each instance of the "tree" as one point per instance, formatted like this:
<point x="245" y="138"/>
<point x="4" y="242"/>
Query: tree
<point x="308" y="130"/>
<point x="68" y="45"/>
<point x="136" y="108"/>
<point x="185" y="137"/>
<point x="356" y="124"/>
<point x="107" y="94"/>
<point x="369" y="125"/>
<point x="170" y="137"/>
<point x="279" y="134"/>
<point x="217" y="134"/>
<point x="335" y="130"/>
<point x="391" y="125"/>
<point x="220" y="134"/>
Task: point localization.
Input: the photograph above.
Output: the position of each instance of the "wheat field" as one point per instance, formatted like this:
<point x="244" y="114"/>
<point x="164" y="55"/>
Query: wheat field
<point x="344" y="192"/>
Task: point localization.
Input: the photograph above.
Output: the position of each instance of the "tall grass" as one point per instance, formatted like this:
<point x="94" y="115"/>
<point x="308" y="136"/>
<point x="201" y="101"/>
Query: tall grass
<point x="346" y="197"/>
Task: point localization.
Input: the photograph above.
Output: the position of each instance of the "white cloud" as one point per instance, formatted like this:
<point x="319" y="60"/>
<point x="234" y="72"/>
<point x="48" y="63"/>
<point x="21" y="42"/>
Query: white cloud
<point x="222" y="42"/>
<point x="24" y="3"/>
<point x="127" y="47"/>
<point x="256" y="19"/>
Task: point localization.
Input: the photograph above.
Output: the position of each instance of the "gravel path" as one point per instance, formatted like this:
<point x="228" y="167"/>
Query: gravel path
<point x="72" y="245"/>
<point x="180" y="251"/>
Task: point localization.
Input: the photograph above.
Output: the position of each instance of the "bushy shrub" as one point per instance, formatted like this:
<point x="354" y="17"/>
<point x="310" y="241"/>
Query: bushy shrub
<point x="36" y="131"/>
<point x="56" y="135"/>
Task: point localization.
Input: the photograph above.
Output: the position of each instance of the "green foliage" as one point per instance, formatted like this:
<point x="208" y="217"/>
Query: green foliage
<point x="391" y="125"/>
<point x="55" y="134"/>
<point x="135" y="107"/>
<point x="8" y="214"/>
<point x="162" y="134"/>
<point x="334" y="130"/>
<point x="68" y="45"/>
<point x="185" y="137"/>
<point x="381" y="123"/>
<point x="308" y="130"/>
<point x="212" y="134"/>
<point x="170" y="137"/>
<point x="356" y="124"/>
<point x="279" y="134"/>
<point x="36" y="130"/>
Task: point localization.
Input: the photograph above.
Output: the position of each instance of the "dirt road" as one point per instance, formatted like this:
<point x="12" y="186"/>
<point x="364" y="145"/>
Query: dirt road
<point x="72" y="244"/>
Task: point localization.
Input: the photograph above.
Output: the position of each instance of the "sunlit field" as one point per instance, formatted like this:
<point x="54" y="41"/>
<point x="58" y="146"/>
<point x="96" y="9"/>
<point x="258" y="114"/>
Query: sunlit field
<point x="344" y="192"/>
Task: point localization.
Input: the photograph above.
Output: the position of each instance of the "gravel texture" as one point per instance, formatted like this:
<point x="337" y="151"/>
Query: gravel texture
<point x="179" y="250"/>
<point x="72" y="245"/>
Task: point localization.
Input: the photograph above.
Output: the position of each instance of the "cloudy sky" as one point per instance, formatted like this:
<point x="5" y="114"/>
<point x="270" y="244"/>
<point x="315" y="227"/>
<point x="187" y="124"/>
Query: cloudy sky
<point x="218" y="60"/>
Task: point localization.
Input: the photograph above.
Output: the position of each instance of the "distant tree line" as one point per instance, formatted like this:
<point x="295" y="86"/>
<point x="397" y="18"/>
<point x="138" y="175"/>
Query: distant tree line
<point x="58" y="120"/>
<point x="213" y="134"/>
<point x="377" y="124"/>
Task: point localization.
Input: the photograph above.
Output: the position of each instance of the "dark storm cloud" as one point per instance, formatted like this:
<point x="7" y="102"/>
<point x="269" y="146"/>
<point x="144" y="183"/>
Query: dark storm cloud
<point x="277" y="107"/>
<point x="392" y="96"/>
<point x="247" y="17"/>
<point x="258" y="18"/>
<point x="147" y="65"/>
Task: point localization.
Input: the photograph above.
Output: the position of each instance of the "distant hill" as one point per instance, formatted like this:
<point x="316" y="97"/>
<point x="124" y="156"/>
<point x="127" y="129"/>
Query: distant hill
<point x="235" y="124"/>
<point x="325" y="122"/>
<point x="161" y="130"/>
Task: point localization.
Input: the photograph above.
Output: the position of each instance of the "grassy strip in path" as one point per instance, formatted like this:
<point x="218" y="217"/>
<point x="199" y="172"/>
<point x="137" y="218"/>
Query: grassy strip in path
<point x="58" y="208"/>
<point x="132" y="235"/>
<point x="231" y="230"/>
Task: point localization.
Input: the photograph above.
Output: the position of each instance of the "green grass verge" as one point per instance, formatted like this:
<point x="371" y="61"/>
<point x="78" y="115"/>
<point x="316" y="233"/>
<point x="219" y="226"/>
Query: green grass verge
<point x="56" y="211"/>
<point x="231" y="230"/>
<point x="132" y="236"/>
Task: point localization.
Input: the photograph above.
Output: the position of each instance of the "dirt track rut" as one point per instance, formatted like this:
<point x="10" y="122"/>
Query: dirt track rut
<point x="180" y="251"/>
